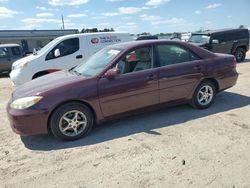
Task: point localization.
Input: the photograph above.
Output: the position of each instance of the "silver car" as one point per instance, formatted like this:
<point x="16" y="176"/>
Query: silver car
<point x="8" y="54"/>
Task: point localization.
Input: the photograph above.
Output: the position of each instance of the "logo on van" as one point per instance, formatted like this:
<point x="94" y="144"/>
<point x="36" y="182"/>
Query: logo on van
<point x="94" y="40"/>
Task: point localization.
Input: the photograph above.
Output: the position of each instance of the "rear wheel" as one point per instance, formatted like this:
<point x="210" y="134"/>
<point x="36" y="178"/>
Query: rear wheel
<point x="240" y="54"/>
<point x="71" y="121"/>
<point x="204" y="95"/>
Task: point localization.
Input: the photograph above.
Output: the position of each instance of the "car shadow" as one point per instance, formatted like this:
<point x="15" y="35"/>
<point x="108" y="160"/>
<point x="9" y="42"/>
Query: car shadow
<point x="146" y="122"/>
<point x="247" y="60"/>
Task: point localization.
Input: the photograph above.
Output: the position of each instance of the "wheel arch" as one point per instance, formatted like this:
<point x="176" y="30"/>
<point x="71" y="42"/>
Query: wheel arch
<point x="40" y="73"/>
<point x="70" y="101"/>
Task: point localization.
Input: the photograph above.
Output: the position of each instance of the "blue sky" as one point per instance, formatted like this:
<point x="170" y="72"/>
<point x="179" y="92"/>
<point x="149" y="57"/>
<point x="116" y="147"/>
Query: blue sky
<point x="132" y="16"/>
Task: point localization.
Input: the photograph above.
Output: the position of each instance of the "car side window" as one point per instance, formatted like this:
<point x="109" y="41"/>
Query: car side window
<point x="4" y="52"/>
<point x="173" y="54"/>
<point x="16" y="51"/>
<point x="66" y="47"/>
<point x="136" y="60"/>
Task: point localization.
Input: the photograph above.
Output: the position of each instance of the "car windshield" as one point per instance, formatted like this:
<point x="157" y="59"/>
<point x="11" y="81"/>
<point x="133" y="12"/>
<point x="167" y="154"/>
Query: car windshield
<point x="47" y="46"/>
<point x="97" y="62"/>
<point x="198" y="38"/>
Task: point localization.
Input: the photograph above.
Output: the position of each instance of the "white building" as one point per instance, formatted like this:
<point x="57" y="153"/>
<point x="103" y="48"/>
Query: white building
<point x="30" y="39"/>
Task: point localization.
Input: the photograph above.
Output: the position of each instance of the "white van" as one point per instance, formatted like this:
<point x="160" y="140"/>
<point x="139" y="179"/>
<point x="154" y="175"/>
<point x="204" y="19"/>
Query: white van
<point x="63" y="53"/>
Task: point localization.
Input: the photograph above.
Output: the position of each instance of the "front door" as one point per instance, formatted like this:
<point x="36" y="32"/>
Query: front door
<point x="5" y="61"/>
<point x="135" y="88"/>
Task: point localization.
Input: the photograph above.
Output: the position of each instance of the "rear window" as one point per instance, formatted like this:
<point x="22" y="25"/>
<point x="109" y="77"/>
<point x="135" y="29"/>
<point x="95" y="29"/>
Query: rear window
<point x="15" y="50"/>
<point x="199" y="38"/>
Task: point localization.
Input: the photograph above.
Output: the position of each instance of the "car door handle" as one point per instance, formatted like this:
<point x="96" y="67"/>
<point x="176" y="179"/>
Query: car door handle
<point x="79" y="57"/>
<point x="152" y="77"/>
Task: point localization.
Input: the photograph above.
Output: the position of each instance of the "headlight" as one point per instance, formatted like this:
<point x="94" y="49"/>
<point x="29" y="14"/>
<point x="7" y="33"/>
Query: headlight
<point x="20" y="65"/>
<point x="25" y="102"/>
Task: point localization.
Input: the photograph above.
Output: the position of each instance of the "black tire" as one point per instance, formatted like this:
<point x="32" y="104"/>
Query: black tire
<point x="240" y="54"/>
<point x="58" y="123"/>
<point x="197" y="95"/>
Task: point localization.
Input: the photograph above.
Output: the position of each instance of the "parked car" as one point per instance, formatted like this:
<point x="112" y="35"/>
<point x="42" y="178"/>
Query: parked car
<point x="8" y="54"/>
<point x="147" y="37"/>
<point x="230" y="41"/>
<point x="119" y="80"/>
<point x="64" y="52"/>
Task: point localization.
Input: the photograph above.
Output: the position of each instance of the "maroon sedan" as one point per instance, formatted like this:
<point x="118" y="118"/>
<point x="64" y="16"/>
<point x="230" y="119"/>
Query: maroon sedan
<point x="119" y="80"/>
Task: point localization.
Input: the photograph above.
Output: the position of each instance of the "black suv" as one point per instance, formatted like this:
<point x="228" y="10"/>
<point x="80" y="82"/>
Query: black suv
<point x="230" y="41"/>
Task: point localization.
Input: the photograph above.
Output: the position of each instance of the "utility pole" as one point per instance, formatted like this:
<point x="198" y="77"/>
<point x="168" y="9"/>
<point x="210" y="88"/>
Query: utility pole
<point x="62" y="23"/>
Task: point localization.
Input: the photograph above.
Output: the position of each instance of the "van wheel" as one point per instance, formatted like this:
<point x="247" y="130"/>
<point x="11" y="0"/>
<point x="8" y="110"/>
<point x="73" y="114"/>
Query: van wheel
<point x="204" y="95"/>
<point x="71" y="121"/>
<point x="240" y="54"/>
<point x="39" y="74"/>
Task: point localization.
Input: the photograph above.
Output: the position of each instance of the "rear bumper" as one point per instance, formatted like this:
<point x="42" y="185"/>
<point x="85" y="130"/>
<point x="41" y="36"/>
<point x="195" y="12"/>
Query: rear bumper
<point x="228" y="81"/>
<point x="28" y="122"/>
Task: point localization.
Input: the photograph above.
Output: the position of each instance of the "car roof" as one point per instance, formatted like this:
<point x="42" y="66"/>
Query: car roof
<point x="9" y="45"/>
<point x="89" y="34"/>
<point x="132" y="44"/>
<point x="136" y="44"/>
<point x="218" y="31"/>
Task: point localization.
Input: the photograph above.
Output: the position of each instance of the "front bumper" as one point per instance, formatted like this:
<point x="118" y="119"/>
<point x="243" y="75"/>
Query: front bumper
<point x="28" y="121"/>
<point x="19" y="77"/>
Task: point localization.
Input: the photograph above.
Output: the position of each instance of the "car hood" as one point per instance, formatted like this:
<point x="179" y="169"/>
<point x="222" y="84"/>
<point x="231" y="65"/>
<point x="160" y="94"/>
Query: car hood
<point x="41" y="85"/>
<point x="25" y="59"/>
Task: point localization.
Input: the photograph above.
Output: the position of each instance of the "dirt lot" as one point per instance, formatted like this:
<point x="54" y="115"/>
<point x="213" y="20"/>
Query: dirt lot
<point x="173" y="147"/>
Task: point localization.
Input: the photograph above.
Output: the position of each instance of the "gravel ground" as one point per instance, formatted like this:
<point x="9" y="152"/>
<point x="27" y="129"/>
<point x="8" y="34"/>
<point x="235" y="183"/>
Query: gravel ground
<point x="172" y="147"/>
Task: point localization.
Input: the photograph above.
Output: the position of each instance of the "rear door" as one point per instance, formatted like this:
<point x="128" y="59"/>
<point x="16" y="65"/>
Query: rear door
<point x="225" y="43"/>
<point x="179" y="71"/>
<point x="5" y="61"/>
<point x="135" y="88"/>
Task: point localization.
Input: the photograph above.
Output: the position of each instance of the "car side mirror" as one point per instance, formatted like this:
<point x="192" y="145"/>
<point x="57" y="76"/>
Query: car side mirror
<point x="112" y="73"/>
<point x="57" y="53"/>
<point x="215" y="41"/>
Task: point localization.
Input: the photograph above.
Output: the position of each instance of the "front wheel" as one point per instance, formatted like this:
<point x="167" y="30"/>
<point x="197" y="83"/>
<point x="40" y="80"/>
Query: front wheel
<point x="71" y="121"/>
<point x="204" y="95"/>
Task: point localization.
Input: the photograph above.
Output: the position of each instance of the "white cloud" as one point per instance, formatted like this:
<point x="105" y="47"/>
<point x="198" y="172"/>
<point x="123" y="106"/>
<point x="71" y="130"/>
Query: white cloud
<point x="157" y="20"/>
<point x="125" y="10"/>
<point x="41" y="8"/>
<point x="4" y="0"/>
<point x="129" y="10"/>
<point x="114" y="0"/>
<point x="45" y="8"/>
<point x="110" y="14"/>
<point x="77" y="15"/>
<point x="156" y="3"/>
<point x="103" y="24"/>
<point x="197" y="12"/>
<point x="229" y="16"/>
<point x="215" y="5"/>
<point x="44" y="14"/>
<point x="8" y="13"/>
<point x="31" y="21"/>
<point x="67" y="2"/>
<point x="145" y="17"/>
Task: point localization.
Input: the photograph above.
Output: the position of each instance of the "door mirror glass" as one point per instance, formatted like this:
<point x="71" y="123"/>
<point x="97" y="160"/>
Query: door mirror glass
<point x="57" y="53"/>
<point x="215" y="41"/>
<point x="112" y="73"/>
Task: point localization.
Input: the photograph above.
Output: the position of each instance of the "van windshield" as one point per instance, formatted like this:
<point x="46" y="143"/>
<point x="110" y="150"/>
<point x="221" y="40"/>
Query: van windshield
<point x="97" y="62"/>
<point x="199" y="38"/>
<point x="47" y="46"/>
